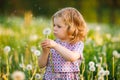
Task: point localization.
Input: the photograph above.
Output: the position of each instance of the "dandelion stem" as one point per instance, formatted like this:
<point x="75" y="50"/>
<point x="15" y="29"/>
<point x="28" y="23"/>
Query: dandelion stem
<point x="106" y="75"/>
<point x="7" y="66"/>
<point x="33" y="74"/>
<point x="113" y="66"/>
<point x="92" y="76"/>
<point x="83" y="68"/>
<point x="35" y="68"/>
<point x="88" y="76"/>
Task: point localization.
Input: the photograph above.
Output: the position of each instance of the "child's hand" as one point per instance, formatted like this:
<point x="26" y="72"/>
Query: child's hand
<point x="48" y="43"/>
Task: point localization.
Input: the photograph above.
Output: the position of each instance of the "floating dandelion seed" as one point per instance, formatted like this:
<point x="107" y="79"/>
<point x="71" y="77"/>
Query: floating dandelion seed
<point x="18" y="75"/>
<point x="37" y="76"/>
<point x="7" y="49"/>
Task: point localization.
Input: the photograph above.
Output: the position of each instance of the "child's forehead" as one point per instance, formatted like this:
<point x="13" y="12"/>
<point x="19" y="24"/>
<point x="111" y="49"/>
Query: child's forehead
<point x="59" y="20"/>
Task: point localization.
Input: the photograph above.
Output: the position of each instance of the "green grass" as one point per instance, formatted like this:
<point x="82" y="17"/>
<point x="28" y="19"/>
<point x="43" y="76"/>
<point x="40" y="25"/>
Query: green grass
<point x="20" y="38"/>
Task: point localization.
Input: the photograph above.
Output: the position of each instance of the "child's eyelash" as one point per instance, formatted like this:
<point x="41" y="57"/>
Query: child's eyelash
<point x="59" y="26"/>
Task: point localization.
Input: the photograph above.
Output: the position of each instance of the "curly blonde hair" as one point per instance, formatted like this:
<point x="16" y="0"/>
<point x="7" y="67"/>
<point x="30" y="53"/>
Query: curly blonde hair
<point x="74" y="20"/>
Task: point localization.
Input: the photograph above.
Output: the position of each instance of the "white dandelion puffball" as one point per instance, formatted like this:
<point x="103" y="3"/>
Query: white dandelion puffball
<point x="107" y="72"/>
<point x="92" y="68"/>
<point x="98" y="65"/>
<point x="46" y="31"/>
<point x="37" y="76"/>
<point x="98" y="28"/>
<point x="33" y="48"/>
<point x="91" y="63"/>
<point x="29" y="67"/>
<point x="33" y="37"/>
<point x="116" y="54"/>
<point x="21" y="65"/>
<point x="37" y="52"/>
<point x="101" y="73"/>
<point x="7" y="49"/>
<point x="18" y="75"/>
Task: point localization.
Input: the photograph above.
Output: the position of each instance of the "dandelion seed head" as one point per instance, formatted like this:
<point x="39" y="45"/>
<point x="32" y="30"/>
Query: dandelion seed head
<point x="98" y="65"/>
<point x="46" y="31"/>
<point x="22" y="65"/>
<point x="107" y="72"/>
<point x="37" y="76"/>
<point x="33" y="48"/>
<point x="37" y="52"/>
<point x="101" y="73"/>
<point x="29" y="67"/>
<point x="7" y="49"/>
<point x="18" y="75"/>
<point x="91" y="63"/>
<point x="92" y="68"/>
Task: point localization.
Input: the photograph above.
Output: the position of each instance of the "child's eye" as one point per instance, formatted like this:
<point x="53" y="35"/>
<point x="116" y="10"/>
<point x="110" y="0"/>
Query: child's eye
<point x="53" y="25"/>
<point x="59" y="26"/>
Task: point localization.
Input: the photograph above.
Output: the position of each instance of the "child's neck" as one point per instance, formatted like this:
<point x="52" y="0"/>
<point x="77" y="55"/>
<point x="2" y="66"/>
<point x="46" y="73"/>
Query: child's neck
<point x="67" y="40"/>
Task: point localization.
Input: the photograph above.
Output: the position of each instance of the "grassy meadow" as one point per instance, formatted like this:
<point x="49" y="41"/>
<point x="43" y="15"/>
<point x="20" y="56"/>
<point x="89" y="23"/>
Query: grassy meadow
<point x="20" y="47"/>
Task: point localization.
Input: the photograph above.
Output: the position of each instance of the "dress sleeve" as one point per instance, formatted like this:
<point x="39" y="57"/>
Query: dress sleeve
<point x="78" y="47"/>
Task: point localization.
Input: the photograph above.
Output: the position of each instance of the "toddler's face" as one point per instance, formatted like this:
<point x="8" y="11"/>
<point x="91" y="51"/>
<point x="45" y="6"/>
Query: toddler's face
<point x="60" y="29"/>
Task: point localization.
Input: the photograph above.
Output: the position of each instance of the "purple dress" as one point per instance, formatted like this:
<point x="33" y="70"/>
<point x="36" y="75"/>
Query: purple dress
<point x="64" y="70"/>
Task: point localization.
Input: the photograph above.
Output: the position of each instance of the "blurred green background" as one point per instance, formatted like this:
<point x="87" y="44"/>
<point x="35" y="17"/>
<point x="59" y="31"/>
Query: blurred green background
<point x="21" y="28"/>
<point x="100" y="11"/>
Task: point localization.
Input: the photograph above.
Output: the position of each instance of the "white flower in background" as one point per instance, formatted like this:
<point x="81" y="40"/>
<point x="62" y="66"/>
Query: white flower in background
<point x="91" y="63"/>
<point x="37" y="76"/>
<point x="101" y="68"/>
<point x="37" y="52"/>
<point x="98" y="28"/>
<point x="21" y="65"/>
<point x="46" y="31"/>
<point x="116" y="54"/>
<point x="18" y="75"/>
<point x="101" y="73"/>
<point x="88" y="41"/>
<point x="100" y="59"/>
<point x="7" y="49"/>
<point x="92" y="68"/>
<point x="98" y="65"/>
<point x="33" y="37"/>
<point x="108" y="35"/>
<point x="29" y="67"/>
<point x="107" y="72"/>
<point x="33" y="48"/>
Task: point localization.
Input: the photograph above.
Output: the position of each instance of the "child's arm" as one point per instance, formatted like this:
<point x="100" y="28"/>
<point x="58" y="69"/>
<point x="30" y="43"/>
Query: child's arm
<point x="42" y="60"/>
<point x="64" y="52"/>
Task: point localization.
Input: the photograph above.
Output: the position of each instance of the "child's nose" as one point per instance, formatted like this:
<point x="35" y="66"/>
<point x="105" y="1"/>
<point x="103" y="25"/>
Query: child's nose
<point x="55" y="28"/>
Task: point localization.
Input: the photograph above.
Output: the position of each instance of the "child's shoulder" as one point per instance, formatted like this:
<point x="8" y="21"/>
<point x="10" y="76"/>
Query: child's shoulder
<point x="79" y="43"/>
